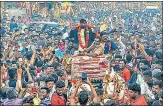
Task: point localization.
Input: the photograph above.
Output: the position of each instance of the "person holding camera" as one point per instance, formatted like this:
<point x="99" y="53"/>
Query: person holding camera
<point x="83" y="95"/>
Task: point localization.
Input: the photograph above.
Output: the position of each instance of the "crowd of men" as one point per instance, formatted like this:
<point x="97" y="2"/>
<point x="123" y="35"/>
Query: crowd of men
<point x="36" y="57"/>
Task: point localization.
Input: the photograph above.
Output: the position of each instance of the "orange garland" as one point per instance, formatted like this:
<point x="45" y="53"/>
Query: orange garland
<point x="87" y="35"/>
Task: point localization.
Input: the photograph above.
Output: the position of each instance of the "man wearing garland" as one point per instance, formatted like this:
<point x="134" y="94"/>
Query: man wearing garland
<point x="82" y="35"/>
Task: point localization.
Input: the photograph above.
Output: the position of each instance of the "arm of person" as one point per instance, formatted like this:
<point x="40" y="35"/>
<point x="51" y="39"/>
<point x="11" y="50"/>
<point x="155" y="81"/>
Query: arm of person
<point x="43" y="52"/>
<point x="142" y="50"/>
<point x="122" y="45"/>
<point x="98" y="52"/>
<point x="51" y="61"/>
<point x="90" y="48"/>
<point x="93" y="91"/>
<point x="19" y="79"/>
<point x="1" y="75"/>
<point x="21" y="94"/>
<point x="28" y="73"/>
<point x="72" y="98"/>
<point x="66" y="82"/>
<point x="33" y="57"/>
<point x="11" y="54"/>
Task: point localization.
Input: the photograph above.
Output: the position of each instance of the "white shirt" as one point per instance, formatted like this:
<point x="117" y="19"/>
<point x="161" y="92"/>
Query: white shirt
<point x="122" y="48"/>
<point x="23" y="27"/>
<point x="144" y="87"/>
<point x="65" y="35"/>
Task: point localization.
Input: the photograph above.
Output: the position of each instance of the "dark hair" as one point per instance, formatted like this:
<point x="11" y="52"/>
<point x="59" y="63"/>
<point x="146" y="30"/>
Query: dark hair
<point x="59" y="73"/>
<point x="99" y="91"/>
<point x="149" y="73"/>
<point x="37" y="81"/>
<point x="25" y="29"/>
<point x="39" y="63"/>
<point x="24" y="84"/>
<point x="29" y="55"/>
<point x="150" y="83"/>
<point x="128" y="58"/>
<point x="46" y="88"/>
<point x="55" y="77"/>
<point x="12" y="72"/>
<point x="53" y="52"/>
<point x="14" y="62"/>
<point x="158" y="55"/>
<point x="83" y="97"/>
<point x="83" y="21"/>
<point x="110" y="103"/>
<point x="45" y="66"/>
<point x="94" y="104"/>
<point x="144" y="61"/>
<point x="32" y="67"/>
<point x="12" y="83"/>
<point x="55" y="65"/>
<point x="157" y="76"/>
<point x="123" y="61"/>
<point x="49" y="79"/>
<point x="1" y="55"/>
<point x="28" y="99"/>
<point x="156" y="62"/>
<point x="135" y="88"/>
<point x="118" y="56"/>
<point x="135" y="64"/>
<point x="60" y="84"/>
<point x="11" y="93"/>
<point x="159" y="83"/>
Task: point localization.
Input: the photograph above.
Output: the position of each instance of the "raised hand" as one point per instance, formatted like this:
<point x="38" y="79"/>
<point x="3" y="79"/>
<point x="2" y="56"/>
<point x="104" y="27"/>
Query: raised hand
<point x="79" y="83"/>
<point x="19" y="72"/>
<point x="88" y="81"/>
<point x="27" y="67"/>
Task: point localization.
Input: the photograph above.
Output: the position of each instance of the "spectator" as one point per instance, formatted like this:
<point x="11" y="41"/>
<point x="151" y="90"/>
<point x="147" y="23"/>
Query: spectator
<point x="50" y="82"/>
<point x="45" y="101"/>
<point x="136" y="97"/>
<point x="58" y="98"/>
<point x="40" y="48"/>
<point x="157" y="88"/>
<point x="83" y="95"/>
<point x="12" y="96"/>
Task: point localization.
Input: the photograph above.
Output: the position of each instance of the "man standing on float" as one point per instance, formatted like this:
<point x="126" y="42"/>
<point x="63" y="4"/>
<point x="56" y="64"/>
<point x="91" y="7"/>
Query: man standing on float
<point x="82" y="35"/>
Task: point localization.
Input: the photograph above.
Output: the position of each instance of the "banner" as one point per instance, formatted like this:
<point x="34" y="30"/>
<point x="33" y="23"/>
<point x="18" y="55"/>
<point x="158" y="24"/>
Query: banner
<point x="89" y="65"/>
<point x="152" y="6"/>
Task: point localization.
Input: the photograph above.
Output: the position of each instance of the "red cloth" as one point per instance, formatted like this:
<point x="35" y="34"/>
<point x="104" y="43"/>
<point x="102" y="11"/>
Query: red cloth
<point x="139" y="101"/>
<point x="62" y="46"/>
<point x="57" y="100"/>
<point x="74" y="81"/>
<point x="38" y="70"/>
<point x="126" y="74"/>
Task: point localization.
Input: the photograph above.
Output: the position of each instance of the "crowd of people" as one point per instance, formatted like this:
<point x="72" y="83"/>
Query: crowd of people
<point x="36" y="56"/>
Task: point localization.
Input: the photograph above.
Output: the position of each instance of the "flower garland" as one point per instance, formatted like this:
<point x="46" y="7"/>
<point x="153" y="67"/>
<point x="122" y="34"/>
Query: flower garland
<point x="87" y="37"/>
